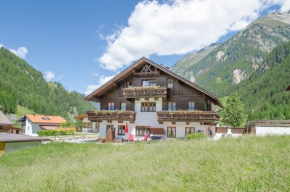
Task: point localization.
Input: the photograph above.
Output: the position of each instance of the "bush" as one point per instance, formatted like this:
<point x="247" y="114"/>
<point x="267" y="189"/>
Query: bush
<point x="195" y="136"/>
<point x="45" y="133"/>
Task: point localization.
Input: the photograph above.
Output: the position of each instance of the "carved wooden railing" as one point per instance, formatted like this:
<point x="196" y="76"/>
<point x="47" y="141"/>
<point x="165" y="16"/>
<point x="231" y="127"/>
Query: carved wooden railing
<point x="136" y="92"/>
<point x="187" y="116"/>
<point x="98" y="116"/>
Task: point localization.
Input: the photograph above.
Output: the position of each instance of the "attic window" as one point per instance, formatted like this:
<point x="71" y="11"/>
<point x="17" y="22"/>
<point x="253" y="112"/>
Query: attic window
<point x="43" y="118"/>
<point x="48" y="118"/>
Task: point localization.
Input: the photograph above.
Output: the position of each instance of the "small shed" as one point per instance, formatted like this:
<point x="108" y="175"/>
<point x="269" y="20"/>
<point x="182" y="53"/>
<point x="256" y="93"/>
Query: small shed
<point x="268" y="127"/>
<point x="10" y="142"/>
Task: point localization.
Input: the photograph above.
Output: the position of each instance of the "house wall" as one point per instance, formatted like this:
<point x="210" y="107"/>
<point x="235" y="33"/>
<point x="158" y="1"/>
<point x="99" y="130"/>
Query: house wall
<point x="9" y="147"/>
<point x="85" y="129"/>
<point x="31" y="128"/>
<point x="262" y="131"/>
<point x="181" y="94"/>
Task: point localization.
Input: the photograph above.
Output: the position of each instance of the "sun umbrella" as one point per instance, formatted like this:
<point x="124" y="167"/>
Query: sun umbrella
<point x="126" y="128"/>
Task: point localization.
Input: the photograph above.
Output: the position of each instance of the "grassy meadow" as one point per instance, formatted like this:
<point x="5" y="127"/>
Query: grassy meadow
<point x="245" y="164"/>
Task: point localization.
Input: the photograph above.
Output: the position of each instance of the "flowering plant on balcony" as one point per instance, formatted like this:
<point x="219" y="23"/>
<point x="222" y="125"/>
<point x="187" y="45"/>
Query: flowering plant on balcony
<point x="196" y="112"/>
<point x="104" y="112"/>
<point x="144" y="88"/>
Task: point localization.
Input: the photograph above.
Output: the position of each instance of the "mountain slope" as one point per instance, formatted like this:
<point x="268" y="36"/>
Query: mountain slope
<point x="22" y="84"/>
<point x="234" y="60"/>
<point x="191" y="59"/>
<point x="263" y="93"/>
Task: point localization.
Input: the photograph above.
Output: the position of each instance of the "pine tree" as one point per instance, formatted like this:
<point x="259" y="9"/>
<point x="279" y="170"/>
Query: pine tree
<point x="233" y="114"/>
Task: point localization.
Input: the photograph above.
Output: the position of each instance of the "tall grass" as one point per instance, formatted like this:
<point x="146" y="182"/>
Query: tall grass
<point x="244" y="164"/>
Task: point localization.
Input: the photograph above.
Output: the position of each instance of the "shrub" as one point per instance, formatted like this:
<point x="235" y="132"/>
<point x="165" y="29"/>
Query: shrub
<point x="195" y="136"/>
<point x="45" y="133"/>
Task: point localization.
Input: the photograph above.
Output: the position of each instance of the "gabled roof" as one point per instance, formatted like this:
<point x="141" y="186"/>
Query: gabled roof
<point x="45" y="119"/>
<point x="4" y="120"/>
<point x="137" y="64"/>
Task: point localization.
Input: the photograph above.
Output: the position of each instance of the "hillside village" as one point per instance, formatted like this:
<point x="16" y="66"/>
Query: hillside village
<point x="227" y="100"/>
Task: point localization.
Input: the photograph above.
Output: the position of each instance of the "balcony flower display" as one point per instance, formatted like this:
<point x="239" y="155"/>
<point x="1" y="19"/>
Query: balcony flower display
<point x="104" y="112"/>
<point x="145" y="87"/>
<point x="196" y="112"/>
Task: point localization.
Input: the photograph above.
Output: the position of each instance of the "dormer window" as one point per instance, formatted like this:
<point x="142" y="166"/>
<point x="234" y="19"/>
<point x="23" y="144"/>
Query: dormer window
<point x="149" y="83"/>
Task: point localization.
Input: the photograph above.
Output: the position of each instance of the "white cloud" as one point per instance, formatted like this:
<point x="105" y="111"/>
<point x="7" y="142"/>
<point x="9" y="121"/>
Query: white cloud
<point x="48" y="75"/>
<point x="95" y="73"/>
<point x="285" y="6"/>
<point x="1" y="45"/>
<point x="178" y="27"/>
<point x="102" y="80"/>
<point x="20" y="52"/>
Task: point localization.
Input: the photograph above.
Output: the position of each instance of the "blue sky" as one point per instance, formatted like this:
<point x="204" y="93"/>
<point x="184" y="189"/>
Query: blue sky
<point x="68" y="38"/>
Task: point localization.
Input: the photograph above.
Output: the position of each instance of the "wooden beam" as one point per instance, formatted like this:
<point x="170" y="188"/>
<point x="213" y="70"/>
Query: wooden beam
<point x="115" y="84"/>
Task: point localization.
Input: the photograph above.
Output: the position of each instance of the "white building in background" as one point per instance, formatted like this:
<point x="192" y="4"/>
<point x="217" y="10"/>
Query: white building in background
<point x="268" y="127"/>
<point x="34" y="123"/>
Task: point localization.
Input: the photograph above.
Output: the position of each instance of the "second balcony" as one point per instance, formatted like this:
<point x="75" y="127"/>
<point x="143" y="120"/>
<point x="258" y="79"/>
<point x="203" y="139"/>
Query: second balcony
<point x="145" y="92"/>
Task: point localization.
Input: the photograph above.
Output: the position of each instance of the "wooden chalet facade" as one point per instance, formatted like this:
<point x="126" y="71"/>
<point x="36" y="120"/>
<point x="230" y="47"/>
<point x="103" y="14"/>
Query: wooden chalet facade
<point x="147" y="96"/>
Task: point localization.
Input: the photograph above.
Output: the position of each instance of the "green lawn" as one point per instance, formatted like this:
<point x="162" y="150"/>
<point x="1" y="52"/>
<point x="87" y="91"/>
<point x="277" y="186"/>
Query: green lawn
<point x="21" y="111"/>
<point x="245" y="164"/>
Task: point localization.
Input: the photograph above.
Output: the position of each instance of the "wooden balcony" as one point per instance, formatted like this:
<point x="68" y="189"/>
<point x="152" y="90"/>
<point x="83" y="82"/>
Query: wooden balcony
<point x="120" y="116"/>
<point x="204" y="117"/>
<point x="145" y="92"/>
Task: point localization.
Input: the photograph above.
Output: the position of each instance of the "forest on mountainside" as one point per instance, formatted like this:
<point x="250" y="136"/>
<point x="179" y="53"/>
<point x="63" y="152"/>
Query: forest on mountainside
<point x="263" y="93"/>
<point x="21" y="84"/>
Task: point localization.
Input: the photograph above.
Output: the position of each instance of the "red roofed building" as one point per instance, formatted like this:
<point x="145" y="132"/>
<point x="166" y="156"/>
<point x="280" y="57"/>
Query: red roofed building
<point x="34" y="123"/>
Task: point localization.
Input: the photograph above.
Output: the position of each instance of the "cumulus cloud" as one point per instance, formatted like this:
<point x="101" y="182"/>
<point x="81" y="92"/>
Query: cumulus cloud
<point x="102" y="80"/>
<point x="48" y="75"/>
<point x="285" y="6"/>
<point x="178" y="27"/>
<point x="20" y="52"/>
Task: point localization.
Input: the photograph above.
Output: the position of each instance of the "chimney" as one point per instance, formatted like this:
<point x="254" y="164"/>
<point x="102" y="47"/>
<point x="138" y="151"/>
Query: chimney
<point x="33" y="114"/>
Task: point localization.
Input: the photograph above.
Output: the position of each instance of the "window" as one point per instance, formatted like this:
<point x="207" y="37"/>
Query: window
<point x="207" y="106"/>
<point x="87" y="125"/>
<point x="141" y="131"/>
<point x="121" y="130"/>
<point x="171" y="106"/>
<point x="171" y="132"/>
<point x="129" y="84"/>
<point x="189" y="130"/>
<point x="148" y="107"/>
<point x="190" y="105"/>
<point x="108" y="127"/>
<point x="123" y="106"/>
<point x="149" y="83"/>
<point x="170" y="83"/>
<point x="111" y="106"/>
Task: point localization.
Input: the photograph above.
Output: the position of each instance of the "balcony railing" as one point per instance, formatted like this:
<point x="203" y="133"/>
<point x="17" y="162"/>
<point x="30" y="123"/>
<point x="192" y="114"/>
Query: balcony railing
<point x="188" y="116"/>
<point x="145" y="92"/>
<point x="98" y="116"/>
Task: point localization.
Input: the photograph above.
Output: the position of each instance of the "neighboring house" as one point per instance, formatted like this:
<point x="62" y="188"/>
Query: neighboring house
<point x="10" y="142"/>
<point x="151" y="99"/>
<point x="6" y="125"/>
<point x="88" y="126"/>
<point x="228" y="132"/>
<point x="268" y="127"/>
<point x="34" y="123"/>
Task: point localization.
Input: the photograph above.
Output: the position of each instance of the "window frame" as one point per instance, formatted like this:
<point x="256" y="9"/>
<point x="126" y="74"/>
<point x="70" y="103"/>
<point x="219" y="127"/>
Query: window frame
<point x="188" y="107"/>
<point x="125" y="108"/>
<point x="148" y="82"/>
<point x="148" y="106"/>
<point x="170" y="87"/>
<point x="145" y="130"/>
<point x="121" y="131"/>
<point x="170" y="103"/>
<point x="170" y="135"/>
<point x="190" y="132"/>
<point x="110" y="105"/>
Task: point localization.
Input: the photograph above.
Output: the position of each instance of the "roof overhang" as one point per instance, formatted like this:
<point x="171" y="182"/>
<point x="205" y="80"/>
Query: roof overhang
<point x="98" y="92"/>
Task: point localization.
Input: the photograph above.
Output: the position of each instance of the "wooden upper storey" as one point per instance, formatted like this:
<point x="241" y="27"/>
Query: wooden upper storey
<point x="146" y="79"/>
